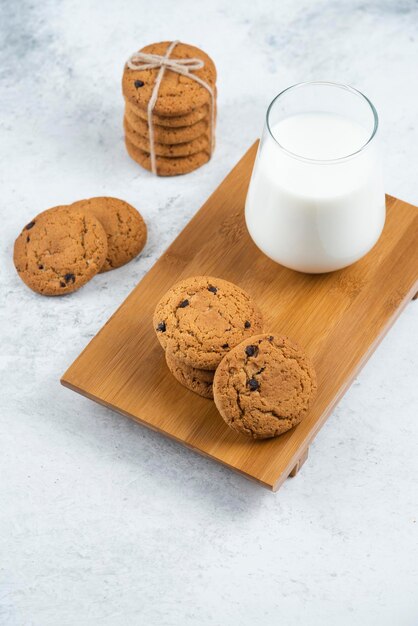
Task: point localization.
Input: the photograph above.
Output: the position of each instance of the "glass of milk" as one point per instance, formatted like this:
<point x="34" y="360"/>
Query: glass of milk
<point x="316" y="201"/>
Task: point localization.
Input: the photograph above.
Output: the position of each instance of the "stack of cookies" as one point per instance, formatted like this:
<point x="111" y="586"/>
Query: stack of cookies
<point x="183" y="115"/>
<point x="197" y="322"/>
<point x="262" y="384"/>
<point x="62" y="248"/>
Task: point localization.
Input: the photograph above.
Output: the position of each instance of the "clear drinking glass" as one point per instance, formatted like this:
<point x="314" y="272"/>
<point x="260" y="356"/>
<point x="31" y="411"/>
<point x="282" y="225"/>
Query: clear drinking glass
<point x="316" y="201"/>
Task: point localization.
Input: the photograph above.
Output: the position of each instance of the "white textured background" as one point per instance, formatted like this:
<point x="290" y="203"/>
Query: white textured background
<point x="102" y="521"/>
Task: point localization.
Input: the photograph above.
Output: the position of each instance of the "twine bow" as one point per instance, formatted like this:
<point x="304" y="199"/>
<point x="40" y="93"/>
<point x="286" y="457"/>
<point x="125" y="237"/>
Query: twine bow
<point x="186" y="67"/>
<point x="145" y="61"/>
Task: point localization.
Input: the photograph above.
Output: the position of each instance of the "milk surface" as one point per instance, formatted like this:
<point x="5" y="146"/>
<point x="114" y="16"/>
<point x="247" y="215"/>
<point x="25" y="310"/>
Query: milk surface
<point x="316" y="216"/>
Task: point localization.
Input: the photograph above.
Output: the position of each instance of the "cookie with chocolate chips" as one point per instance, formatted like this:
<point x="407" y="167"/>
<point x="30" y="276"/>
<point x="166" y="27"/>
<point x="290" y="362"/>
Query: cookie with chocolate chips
<point x="264" y="386"/>
<point x="168" y="166"/>
<point x="167" y="135"/>
<point x="178" y="121"/>
<point x="59" y="251"/>
<point x="124" y="226"/>
<point x="178" y="94"/>
<point x="167" y="150"/>
<point x="201" y="318"/>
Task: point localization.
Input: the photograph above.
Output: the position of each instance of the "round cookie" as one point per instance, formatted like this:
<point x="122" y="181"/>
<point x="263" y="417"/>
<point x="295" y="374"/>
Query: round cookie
<point x="170" y="122"/>
<point x="169" y="135"/>
<point x="161" y="149"/>
<point x="201" y="318"/>
<point x="197" y="380"/>
<point x="177" y="94"/>
<point x="264" y="386"/>
<point x="124" y="226"/>
<point x="59" y="251"/>
<point x="168" y="166"/>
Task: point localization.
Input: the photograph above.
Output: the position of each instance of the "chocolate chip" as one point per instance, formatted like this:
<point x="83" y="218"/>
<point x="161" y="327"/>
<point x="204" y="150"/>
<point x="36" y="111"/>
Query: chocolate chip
<point x="27" y="239"/>
<point x="69" y="277"/>
<point x="226" y="345"/>
<point x="162" y="327"/>
<point x="30" y="225"/>
<point x="253" y="384"/>
<point x="183" y="304"/>
<point x="139" y="83"/>
<point x="247" y="324"/>
<point x="251" y="350"/>
<point x="62" y="284"/>
<point x="40" y="267"/>
<point x="270" y="338"/>
<point x="212" y="288"/>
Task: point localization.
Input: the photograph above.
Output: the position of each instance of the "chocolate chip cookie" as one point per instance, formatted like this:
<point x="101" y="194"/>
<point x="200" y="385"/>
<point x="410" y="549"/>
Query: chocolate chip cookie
<point x="178" y="94"/>
<point x="171" y="122"/>
<point x="197" y="380"/>
<point x="59" y="251"/>
<point x="264" y="386"/>
<point x="167" y="150"/>
<point x="168" y="166"/>
<point x="201" y="318"/>
<point x="168" y="136"/>
<point x="124" y="226"/>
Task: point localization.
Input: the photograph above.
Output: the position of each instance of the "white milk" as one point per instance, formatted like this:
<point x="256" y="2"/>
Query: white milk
<point x="310" y="216"/>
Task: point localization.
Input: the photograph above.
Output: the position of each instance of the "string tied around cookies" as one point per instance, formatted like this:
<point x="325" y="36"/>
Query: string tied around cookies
<point x="146" y="61"/>
<point x="185" y="67"/>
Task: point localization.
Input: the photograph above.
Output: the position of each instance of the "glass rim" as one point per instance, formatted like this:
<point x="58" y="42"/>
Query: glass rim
<point x="344" y="86"/>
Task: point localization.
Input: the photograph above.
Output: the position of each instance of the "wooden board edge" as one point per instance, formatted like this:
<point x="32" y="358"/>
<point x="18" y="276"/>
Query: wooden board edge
<point x="86" y="394"/>
<point x="302" y="460"/>
<point x="404" y="202"/>
<point x="304" y="445"/>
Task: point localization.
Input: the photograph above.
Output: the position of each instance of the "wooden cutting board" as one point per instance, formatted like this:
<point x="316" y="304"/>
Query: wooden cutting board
<point x="338" y="317"/>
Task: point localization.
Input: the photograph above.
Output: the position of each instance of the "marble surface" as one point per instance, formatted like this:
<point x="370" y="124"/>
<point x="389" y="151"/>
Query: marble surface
<point x="102" y="521"/>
